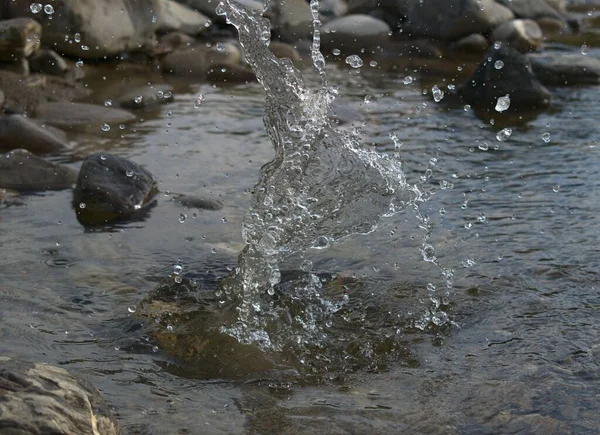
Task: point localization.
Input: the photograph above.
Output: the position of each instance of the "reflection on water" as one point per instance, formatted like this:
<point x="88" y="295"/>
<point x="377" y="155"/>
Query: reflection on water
<point x="516" y="221"/>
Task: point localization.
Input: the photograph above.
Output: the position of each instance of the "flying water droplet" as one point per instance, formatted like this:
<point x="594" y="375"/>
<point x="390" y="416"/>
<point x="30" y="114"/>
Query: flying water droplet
<point x="354" y="61"/>
<point x="129" y="173"/>
<point x="77" y="37"/>
<point x="108" y="103"/>
<point x="407" y="80"/>
<point x="438" y="94"/>
<point x="48" y="9"/>
<point x="177" y="269"/>
<point x="105" y="127"/>
<point x="199" y="101"/>
<point x="182" y="217"/>
<point x="584" y="49"/>
<point x="499" y="64"/>
<point x="336" y="51"/>
<point x="546" y="137"/>
<point x="504" y="134"/>
<point x="503" y="103"/>
<point x="484" y="146"/>
<point x="497" y="45"/>
<point x="138" y="99"/>
<point x="131" y="308"/>
<point x="35" y="8"/>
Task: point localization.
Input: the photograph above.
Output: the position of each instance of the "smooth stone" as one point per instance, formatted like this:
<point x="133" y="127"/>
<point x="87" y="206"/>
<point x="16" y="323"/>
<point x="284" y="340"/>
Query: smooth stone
<point x="531" y="8"/>
<point x="106" y="27"/>
<point x="147" y="96"/>
<point x="23" y="171"/>
<point x="48" y="62"/>
<point x="85" y="116"/>
<point x="173" y="16"/>
<point x="566" y="69"/>
<point x="191" y="201"/>
<point x="475" y="43"/>
<point x="281" y="50"/>
<point x="112" y="188"/>
<point x="292" y="19"/>
<point x="558" y="5"/>
<point x="19" y="37"/>
<point x="174" y="40"/>
<point x="450" y="20"/>
<point x="515" y="78"/>
<point x="551" y="25"/>
<point x="16" y="131"/>
<point x="196" y="61"/>
<point x="20" y="67"/>
<point x="354" y="32"/>
<point x="522" y="35"/>
<point x="40" y="399"/>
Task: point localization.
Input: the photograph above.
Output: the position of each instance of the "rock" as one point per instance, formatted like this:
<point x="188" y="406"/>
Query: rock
<point x="40" y="399"/>
<point x="147" y="96"/>
<point x="333" y="8"/>
<point x="82" y="116"/>
<point x="23" y="171"/>
<point x="196" y="61"/>
<point x="515" y="78"/>
<point x="94" y="28"/>
<point x="20" y="66"/>
<point x="292" y="19"/>
<point x="173" y="16"/>
<point x="174" y="40"/>
<point x="48" y="62"/>
<point x="354" y="32"/>
<point x="230" y="74"/>
<point x="532" y="9"/>
<point x="450" y="20"/>
<point x="16" y="131"/>
<point x="522" y="35"/>
<point x="19" y="38"/>
<point x="396" y="10"/>
<point x="566" y="69"/>
<point x="191" y="201"/>
<point x="551" y="25"/>
<point x="475" y="43"/>
<point x="111" y="188"/>
<point x="281" y="50"/>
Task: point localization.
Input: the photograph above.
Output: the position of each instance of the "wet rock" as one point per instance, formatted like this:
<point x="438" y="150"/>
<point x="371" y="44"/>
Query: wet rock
<point x="40" y="399"/>
<point x="174" y="40"/>
<point x="396" y="10"/>
<point x="230" y="74"/>
<point x="16" y="131"/>
<point x="23" y="171"/>
<point x="354" y="32"/>
<point x="94" y="28"/>
<point x="452" y="19"/>
<point x="19" y="66"/>
<point x="48" y="62"/>
<point x="145" y="97"/>
<point x="566" y="69"/>
<point x="522" y="35"/>
<point x="515" y="78"/>
<point x="333" y="8"/>
<point x="281" y="50"/>
<point x="551" y="25"/>
<point x="292" y="19"/>
<point x="532" y="9"/>
<point x="177" y="17"/>
<point x="19" y="38"/>
<point x="191" y="201"/>
<point x="196" y="61"/>
<point x="111" y="188"/>
<point x="82" y="116"/>
<point x="475" y="43"/>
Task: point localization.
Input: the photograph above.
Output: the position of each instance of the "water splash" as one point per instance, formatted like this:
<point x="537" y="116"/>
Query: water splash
<point x="322" y="185"/>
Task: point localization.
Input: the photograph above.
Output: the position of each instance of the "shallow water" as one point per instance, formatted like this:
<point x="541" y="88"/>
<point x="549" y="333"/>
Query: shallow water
<point x="519" y="228"/>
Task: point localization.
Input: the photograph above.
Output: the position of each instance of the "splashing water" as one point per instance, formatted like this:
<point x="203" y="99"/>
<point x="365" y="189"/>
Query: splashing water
<point x="321" y="186"/>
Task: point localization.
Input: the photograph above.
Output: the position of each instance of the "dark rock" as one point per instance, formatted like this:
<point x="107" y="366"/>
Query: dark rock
<point x="560" y="69"/>
<point x="19" y="38"/>
<point x="40" y="399"/>
<point x="333" y="8"/>
<point x="230" y="74"/>
<point x="23" y="171"/>
<point x="532" y="9"/>
<point x="522" y="35"/>
<point x="78" y="116"/>
<point x="452" y="19"/>
<point x="191" y="201"/>
<point x="396" y="10"/>
<point x="145" y="97"/>
<point x="17" y="131"/>
<point x="515" y="78"/>
<point x="354" y="32"/>
<point x="111" y="188"/>
<point x="173" y="16"/>
<point x="94" y="28"/>
<point x="48" y="62"/>
<point x="19" y="66"/>
<point x="475" y="43"/>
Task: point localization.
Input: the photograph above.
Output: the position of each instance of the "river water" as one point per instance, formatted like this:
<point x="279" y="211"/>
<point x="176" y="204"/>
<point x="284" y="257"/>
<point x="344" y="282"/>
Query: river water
<point x="515" y="220"/>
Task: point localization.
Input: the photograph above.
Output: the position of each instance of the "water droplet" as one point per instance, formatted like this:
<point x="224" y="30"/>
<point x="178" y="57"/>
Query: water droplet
<point x="82" y="205"/>
<point x="440" y="318"/>
<point x="138" y="99"/>
<point x="467" y="107"/>
<point x="499" y="64"/>
<point x="336" y="52"/>
<point x="35" y="8"/>
<point x="503" y="103"/>
<point x="407" y="80"/>
<point x="497" y="45"/>
<point x="546" y="137"/>
<point x="178" y="279"/>
<point x="504" y="134"/>
<point x="77" y="37"/>
<point x="584" y="49"/>
<point x="484" y="146"/>
<point x="48" y="9"/>
<point x="373" y="64"/>
<point x="102" y="156"/>
<point x="438" y="94"/>
<point x="105" y="127"/>
<point x="307" y="265"/>
<point x="442" y="211"/>
<point x="354" y="61"/>
<point x="131" y="308"/>
<point x="129" y="173"/>
<point x="368" y="99"/>
<point x="170" y="328"/>
<point x="182" y="217"/>
<point x="199" y="101"/>
<point x="224" y="220"/>
<point x="469" y="262"/>
<point x="556" y="187"/>
<point x="177" y="269"/>
<point x="79" y="63"/>
<point x="108" y="103"/>
<point x="220" y="47"/>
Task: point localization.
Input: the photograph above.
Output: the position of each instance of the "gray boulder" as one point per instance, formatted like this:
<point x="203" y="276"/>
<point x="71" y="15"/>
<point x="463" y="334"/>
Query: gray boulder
<point x="40" y="399"/>
<point x="23" y="171"/>
<point x="354" y="32"/>
<point x="111" y="188"/>
<point x="475" y="43"/>
<point x="566" y="69"/>
<point x="81" y="116"/>
<point x="452" y="19"/>
<point x="16" y="131"/>
<point x="522" y="35"/>
<point x="174" y="16"/>
<point x="514" y="78"/>
<point x="94" y="28"/>
<point x="19" y="38"/>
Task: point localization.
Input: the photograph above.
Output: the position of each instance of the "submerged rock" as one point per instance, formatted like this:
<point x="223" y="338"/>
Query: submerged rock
<point x="505" y="72"/>
<point x="354" y="32"/>
<point x="16" y="131"/>
<point x="522" y="35"/>
<point x="23" y="171"/>
<point x="19" y="38"/>
<point x="78" y="116"/>
<point x="111" y="188"/>
<point x="40" y="399"/>
<point x="452" y="19"/>
<point x="560" y="69"/>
